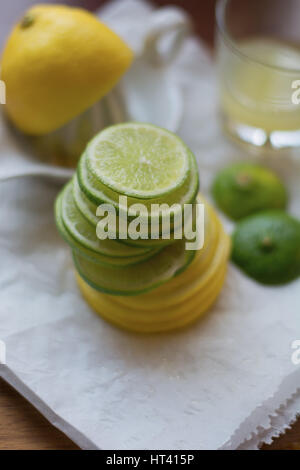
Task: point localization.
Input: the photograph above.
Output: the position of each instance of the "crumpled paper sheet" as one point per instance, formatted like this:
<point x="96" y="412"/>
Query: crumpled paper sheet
<point x="227" y="382"/>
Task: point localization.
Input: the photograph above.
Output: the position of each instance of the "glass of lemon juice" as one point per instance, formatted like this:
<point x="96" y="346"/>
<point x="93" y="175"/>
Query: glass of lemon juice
<point x="258" y="49"/>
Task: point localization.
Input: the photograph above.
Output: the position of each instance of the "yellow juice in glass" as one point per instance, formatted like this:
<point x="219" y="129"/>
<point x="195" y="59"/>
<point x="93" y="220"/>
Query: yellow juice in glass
<point x="256" y="90"/>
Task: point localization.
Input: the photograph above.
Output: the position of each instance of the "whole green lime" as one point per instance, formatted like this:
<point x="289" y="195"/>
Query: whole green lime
<point x="266" y="246"/>
<point x="245" y="188"/>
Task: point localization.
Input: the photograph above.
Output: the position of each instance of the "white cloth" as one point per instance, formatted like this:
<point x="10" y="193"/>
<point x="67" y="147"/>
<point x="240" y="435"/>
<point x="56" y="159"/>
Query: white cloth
<point x="228" y="382"/>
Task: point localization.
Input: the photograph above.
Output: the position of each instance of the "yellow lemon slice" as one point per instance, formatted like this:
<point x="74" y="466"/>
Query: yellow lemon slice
<point x="167" y="314"/>
<point x="183" y="295"/>
<point x="183" y="285"/>
<point x="183" y="318"/>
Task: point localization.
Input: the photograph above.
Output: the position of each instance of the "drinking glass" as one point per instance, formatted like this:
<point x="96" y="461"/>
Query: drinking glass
<point x="258" y="56"/>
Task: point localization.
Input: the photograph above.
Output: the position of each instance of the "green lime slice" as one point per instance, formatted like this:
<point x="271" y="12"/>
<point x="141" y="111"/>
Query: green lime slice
<point x="138" y="160"/>
<point x="85" y="233"/>
<point x="89" y="210"/>
<point x="175" y="232"/>
<point x="245" y="188"/>
<point x="153" y="244"/>
<point x="90" y="254"/>
<point x="99" y="194"/>
<point x="134" y="280"/>
<point x="266" y="246"/>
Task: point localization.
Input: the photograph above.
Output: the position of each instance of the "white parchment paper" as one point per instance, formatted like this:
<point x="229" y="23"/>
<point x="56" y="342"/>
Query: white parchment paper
<point x="227" y="382"/>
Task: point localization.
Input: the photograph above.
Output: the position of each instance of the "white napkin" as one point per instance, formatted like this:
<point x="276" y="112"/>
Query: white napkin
<point x="228" y="382"/>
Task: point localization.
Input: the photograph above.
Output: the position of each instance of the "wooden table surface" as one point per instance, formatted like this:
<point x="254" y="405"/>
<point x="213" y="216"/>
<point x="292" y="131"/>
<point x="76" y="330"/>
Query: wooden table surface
<point x="21" y="426"/>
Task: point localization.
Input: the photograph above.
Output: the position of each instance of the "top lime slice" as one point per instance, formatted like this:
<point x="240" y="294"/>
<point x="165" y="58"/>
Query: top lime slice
<point x="138" y="160"/>
<point x="98" y="194"/>
<point x="88" y="209"/>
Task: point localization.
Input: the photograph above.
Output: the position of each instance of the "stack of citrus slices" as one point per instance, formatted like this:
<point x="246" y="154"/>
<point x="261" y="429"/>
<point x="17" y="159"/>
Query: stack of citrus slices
<point x="134" y="272"/>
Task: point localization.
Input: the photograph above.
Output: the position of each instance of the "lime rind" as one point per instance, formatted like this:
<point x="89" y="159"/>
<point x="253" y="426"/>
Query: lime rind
<point x="87" y="208"/>
<point x="138" y="160"/>
<point x="92" y="255"/>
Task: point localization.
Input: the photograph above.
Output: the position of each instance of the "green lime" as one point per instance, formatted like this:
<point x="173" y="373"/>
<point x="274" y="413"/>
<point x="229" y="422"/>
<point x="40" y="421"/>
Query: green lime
<point x="245" y="188"/>
<point x="266" y="246"/>
<point x="138" y="160"/>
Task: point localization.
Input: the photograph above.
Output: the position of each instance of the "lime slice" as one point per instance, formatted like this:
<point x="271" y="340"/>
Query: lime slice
<point x="176" y="232"/>
<point x="244" y="188"/>
<point x="87" y="208"/>
<point x="266" y="246"/>
<point x="138" y="160"/>
<point x="99" y="194"/>
<point x="85" y="233"/>
<point x="92" y="255"/>
<point x="133" y="280"/>
<point x="151" y="243"/>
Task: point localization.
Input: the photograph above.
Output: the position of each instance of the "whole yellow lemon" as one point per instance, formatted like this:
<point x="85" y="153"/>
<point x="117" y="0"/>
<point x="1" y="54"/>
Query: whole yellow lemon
<point x="57" y="62"/>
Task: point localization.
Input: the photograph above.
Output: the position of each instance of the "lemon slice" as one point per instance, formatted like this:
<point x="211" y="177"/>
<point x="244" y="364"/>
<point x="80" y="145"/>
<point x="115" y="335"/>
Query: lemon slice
<point x="205" y="266"/>
<point x="160" y="320"/>
<point x="138" y="160"/>
<point x="162" y="313"/>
